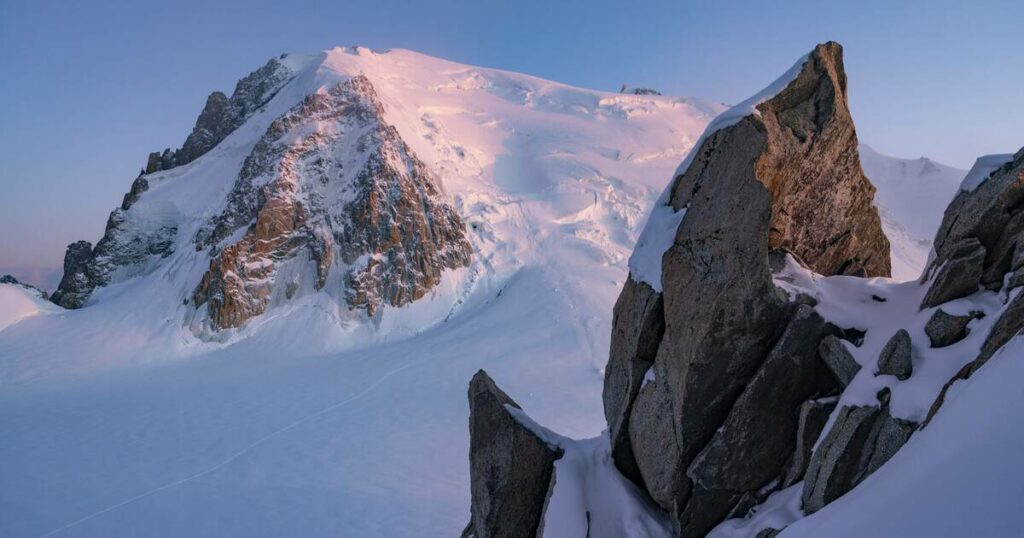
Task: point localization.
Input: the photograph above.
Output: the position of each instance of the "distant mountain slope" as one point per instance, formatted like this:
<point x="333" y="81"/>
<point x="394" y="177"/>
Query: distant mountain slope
<point x="912" y="194"/>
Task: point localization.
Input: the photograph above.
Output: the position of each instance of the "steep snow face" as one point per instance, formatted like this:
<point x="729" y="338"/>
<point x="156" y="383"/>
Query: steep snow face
<point x="912" y="195"/>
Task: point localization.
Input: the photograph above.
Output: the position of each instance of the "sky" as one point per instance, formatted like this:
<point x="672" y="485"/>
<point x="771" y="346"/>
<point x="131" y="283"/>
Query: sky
<point x="88" y="89"/>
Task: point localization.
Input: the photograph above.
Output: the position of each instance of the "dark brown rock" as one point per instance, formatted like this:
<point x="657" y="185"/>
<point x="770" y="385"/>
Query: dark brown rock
<point x="77" y="282"/>
<point x="511" y="468"/>
<point x="895" y="358"/>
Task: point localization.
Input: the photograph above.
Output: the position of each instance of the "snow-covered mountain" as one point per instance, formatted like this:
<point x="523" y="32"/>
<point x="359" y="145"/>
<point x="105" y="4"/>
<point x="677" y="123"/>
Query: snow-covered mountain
<point x="335" y="249"/>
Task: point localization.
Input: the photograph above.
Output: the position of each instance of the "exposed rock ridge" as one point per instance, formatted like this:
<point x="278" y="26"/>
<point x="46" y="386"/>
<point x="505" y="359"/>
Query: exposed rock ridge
<point x="332" y="180"/>
<point x="222" y="115"/>
<point x="690" y="370"/>
<point x="125" y="248"/>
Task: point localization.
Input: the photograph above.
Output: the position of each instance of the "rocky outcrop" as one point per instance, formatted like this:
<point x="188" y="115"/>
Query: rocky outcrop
<point x="991" y="216"/>
<point x="76" y="284"/>
<point x="945" y="329"/>
<point x="511" y="467"/>
<point x="812" y="417"/>
<point x="895" y="358"/>
<point x="860" y="441"/>
<point x="330" y="191"/>
<point x="786" y="179"/>
<point x="638" y="323"/>
<point x="222" y="115"/>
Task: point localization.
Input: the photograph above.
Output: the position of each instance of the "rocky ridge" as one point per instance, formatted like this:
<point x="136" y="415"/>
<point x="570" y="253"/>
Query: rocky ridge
<point x="222" y="115"/>
<point x="127" y="245"/>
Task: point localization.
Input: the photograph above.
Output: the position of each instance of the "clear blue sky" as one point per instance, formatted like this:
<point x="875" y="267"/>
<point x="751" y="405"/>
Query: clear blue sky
<point x="87" y="89"/>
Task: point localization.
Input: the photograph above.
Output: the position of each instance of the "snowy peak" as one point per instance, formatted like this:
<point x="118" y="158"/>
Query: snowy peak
<point x="355" y="180"/>
<point x="330" y="191"/>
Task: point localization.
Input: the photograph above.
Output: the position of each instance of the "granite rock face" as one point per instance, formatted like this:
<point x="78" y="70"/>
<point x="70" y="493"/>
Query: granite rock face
<point x="511" y="467"/>
<point x="860" y="441"/>
<point x="991" y="218"/>
<point x="222" y="115"/>
<point x="786" y="179"/>
<point x="346" y="201"/>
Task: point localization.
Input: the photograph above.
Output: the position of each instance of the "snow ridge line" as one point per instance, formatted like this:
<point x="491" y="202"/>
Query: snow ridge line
<point x="243" y="451"/>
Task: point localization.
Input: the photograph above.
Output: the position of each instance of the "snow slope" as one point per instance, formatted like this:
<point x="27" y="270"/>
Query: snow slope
<point x="119" y="421"/>
<point x="18" y="302"/>
<point x="912" y="196"/>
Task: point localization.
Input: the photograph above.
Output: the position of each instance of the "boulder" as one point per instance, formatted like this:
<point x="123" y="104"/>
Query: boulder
<point x="946" y="329"/>
<point x="989" y="214"/>
<point x="511" y="467"/>
<point x="833" y="469"/>
<point x="834" y="353"/>
<point x="895" y="358"/>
